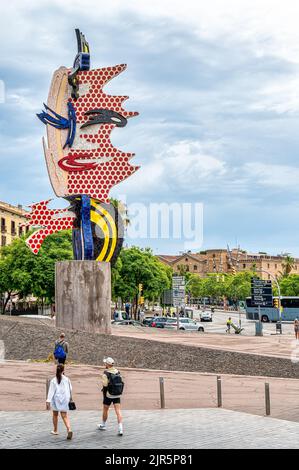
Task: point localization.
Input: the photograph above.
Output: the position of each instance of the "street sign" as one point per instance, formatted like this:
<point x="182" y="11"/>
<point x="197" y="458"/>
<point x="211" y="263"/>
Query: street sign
<point x="167" y="297"/>
<point x="178" y="291"/>
<point x="261" y="293"/>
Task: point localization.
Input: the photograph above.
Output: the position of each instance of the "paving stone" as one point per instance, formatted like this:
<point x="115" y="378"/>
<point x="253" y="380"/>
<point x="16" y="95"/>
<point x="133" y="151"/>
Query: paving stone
<point x="163" y="429"/>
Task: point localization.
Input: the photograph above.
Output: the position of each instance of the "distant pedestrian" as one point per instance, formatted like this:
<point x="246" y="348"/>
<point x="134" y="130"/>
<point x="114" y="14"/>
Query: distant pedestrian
<point x="296" y="328"/>
<point x="112" y="390"/>
<point x="142" y="315"/>
<point x="127" y="309"/>
<point x="115" y="315"/>
<point x="59" y="398"/>
<point x="228" y="325"/>
<point x="61" y="349"/>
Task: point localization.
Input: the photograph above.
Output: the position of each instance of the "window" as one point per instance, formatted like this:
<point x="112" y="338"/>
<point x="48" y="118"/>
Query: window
<point x="269" y="277"/>
<point x="290" y="303"/>
<point x="13" y="227"/>
<point x="268" y="265"/>
<point x="244" y="266"/>
<point x="275" y="266"/>
<point x="195" y="267"/>
<point x="3" y="240"/>
<point x="3" y="226"/>
<point x="20" y="231"/>
<point x="187" y="267"/>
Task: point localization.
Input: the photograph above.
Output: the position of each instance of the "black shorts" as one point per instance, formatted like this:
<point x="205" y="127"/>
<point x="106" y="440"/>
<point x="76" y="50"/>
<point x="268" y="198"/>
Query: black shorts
<point x="111" y="401"/>
<point x="61" y="361"/>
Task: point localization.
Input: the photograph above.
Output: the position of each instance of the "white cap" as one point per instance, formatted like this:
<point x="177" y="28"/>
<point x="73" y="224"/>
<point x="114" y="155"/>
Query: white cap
<point x="109" y="361"/>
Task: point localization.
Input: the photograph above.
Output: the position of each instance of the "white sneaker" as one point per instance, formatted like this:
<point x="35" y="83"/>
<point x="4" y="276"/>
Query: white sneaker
<point x="102" y="427"/>
<point x="120" y="433"/>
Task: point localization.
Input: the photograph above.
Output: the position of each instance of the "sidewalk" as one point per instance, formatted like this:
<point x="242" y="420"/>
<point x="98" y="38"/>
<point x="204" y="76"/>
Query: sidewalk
<point x="167" y="429"/>
<point x="23" y="388"/>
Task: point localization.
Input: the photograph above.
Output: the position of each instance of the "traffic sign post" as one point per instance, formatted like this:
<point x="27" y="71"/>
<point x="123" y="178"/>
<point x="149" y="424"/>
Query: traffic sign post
<point x="261" y="293"/>
<point x="178" y="295"/>
<point x="261" y="296"/>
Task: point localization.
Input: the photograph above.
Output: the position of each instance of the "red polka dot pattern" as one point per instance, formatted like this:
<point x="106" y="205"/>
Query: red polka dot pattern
<point x="49" y="220"/>
<point x="97" y="181"/>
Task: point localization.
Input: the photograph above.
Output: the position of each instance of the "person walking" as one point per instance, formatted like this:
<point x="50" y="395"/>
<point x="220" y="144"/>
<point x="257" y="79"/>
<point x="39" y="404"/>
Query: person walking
<point x="59" y="397"/>
<point x="142" y="315"/>
<point x="61" y="349"/>
<point x="127" y="310"/>
<point x="113" y="386"/>
<point x="296" y="328"/>
<point x="228" y="325"/>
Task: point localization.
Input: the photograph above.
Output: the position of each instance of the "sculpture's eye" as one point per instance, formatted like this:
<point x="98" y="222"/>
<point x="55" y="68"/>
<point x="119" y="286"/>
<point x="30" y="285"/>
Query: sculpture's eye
<point x="104" y="116"/>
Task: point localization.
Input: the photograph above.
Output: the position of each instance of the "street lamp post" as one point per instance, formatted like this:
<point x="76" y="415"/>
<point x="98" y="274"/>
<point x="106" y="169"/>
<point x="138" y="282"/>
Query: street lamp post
<point x="279" y="293"/>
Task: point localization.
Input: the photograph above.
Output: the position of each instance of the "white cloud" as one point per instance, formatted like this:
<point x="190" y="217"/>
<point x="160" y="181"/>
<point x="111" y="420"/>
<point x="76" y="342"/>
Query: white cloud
<point x="278" y="96"/>
<point x="281" y="177"/>
<point x="183" y="168"/>
<point x="199" y="73"/>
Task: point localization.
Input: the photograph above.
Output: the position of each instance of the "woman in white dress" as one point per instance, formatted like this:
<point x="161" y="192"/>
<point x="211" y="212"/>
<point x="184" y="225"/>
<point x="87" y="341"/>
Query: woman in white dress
<point x="59" y="396"/>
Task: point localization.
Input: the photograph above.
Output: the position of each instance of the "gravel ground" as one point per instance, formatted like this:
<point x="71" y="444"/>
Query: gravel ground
<point x="26" y="339"/>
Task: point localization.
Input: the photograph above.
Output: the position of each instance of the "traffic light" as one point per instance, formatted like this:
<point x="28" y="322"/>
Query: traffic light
<point x="140" y="287"/>
<point x="275" y="303"/>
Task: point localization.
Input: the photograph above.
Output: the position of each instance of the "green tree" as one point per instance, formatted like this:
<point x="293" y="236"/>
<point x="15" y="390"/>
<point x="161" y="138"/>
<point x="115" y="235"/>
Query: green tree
<point x="289" y="285"/>
<point x="22" y="273"/>
<point x="238" y="287"/>
<point x="195" y="286"/>
<point x="139" y="266"/>
<point x="287" y="266"/>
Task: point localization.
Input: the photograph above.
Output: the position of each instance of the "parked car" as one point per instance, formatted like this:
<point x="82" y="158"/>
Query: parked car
<point x="127" y="323"/>
<point x="158" y="322"/>
<point x="184" y="324"/>
<point x="147" y="321"/>
<point x="206" y="316"/>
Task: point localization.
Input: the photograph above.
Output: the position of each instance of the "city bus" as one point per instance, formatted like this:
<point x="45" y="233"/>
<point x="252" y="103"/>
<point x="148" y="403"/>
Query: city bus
<point x="290" y="310"/>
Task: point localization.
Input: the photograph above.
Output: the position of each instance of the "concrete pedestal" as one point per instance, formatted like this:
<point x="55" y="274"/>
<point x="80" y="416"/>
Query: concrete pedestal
<point x="83" y="296"/>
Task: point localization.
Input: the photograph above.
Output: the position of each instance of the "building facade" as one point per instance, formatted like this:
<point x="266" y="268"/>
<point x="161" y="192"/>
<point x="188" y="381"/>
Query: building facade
<point x="12" y="220"/>
<point x="221" y="261"/>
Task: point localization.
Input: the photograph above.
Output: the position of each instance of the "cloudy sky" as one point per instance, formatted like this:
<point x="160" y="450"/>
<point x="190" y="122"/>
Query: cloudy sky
<point x="217" y="87"/>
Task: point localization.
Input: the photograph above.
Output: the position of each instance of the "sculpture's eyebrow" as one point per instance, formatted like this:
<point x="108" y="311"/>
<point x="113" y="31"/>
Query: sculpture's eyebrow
<point x="104" y="116"/>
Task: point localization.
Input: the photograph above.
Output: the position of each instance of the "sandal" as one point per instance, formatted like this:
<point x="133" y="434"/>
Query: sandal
<point x="54" y="433"/>
<point x="69" y="435"/>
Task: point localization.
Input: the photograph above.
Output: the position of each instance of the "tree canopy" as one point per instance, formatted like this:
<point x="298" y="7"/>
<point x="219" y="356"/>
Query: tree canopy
<point x="139" y="266"/>
<point x="23" y="273"/>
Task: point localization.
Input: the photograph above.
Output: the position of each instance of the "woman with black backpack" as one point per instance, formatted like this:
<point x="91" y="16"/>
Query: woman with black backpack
<point x="113" y="386"/>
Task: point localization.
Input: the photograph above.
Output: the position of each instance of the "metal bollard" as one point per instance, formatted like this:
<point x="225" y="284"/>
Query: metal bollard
<point x="219" y="392"/>
<point x="267" y="399"/>
<point x="47" y="387"/>
<point x="162" y="394"/>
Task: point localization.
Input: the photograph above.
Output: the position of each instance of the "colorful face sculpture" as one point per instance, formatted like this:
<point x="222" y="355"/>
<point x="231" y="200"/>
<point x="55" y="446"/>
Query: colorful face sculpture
<point x="82" y="163"/>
